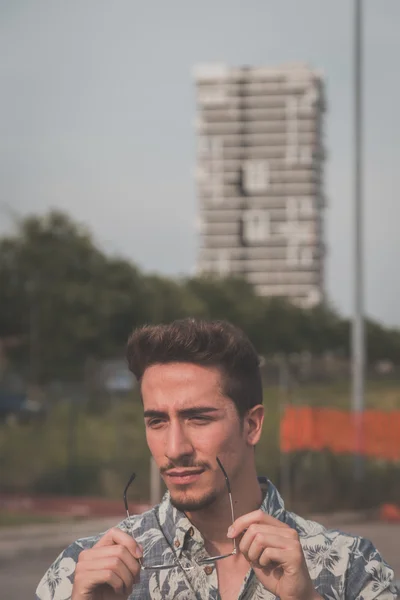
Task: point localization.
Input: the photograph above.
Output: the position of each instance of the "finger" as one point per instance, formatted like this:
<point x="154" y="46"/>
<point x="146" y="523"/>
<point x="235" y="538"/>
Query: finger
<point x="252" y="546"/>
<point x="283" y="557"/>
<point x="259" y="544"/>
<point x="257" y="516"/>
<point x="271" y="558"/>
<point x="112" y="552"/>
<point x="277" y="562"/>
<point x="117" y="536"/>
<point x="256" y="528"/>
<point x="267" y="533"/>
<point x="278" y="558"/>
<point x="115" y="564"/>
<point x="85" y="581"/>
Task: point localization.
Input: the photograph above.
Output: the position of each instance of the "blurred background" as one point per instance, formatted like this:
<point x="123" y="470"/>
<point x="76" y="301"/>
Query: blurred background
<point x="220" y="159"/>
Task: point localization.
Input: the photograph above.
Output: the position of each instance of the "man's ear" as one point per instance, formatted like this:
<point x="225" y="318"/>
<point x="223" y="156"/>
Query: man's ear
<point x="253" y="422"/>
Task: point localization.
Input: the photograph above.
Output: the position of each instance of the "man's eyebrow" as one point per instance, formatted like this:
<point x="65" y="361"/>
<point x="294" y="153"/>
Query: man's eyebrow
<point x="197" y="410"/>
<point x="155" y="413"/>
<point x="185" y="412"/>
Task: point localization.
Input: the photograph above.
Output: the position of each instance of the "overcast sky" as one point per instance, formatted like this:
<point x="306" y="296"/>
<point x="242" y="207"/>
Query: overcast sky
<point x="97" y="111"/>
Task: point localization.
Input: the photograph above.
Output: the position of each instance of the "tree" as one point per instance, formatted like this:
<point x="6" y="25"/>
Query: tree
<point x="167" y="300"/>
<point x="232" y="299"/>
<point x="62" y="294"/>
<point x="66" y="302"/>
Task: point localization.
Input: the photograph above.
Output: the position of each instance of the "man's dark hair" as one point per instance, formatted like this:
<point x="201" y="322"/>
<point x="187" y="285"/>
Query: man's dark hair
<point x="207" y="343"/>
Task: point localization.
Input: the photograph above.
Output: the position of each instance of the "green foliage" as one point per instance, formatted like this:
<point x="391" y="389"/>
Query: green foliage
<point x="20" y="519"/>
<point x="76" y="452"/>
<point x="65" y="303"/>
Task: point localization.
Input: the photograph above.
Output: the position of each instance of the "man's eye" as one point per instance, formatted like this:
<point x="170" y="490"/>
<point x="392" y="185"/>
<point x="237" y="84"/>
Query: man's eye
<point x="155" y="423"/>
<point x="200" y="420"/>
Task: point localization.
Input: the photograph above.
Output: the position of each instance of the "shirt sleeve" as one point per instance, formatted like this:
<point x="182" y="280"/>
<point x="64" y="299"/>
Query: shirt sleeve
<point x="56" y="583"/>
<point x="369" y="575"/>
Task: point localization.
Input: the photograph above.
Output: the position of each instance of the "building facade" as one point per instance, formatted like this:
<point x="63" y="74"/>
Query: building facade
<point x="259" y="177"/>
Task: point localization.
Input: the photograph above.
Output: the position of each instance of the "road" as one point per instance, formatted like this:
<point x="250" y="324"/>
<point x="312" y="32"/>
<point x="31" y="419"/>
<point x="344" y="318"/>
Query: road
<point x="385" y="536"/>
<point x="26" y="553"/>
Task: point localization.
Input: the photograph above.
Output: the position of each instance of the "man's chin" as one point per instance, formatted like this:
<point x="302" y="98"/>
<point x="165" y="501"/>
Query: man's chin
<point x="186" y="502"/>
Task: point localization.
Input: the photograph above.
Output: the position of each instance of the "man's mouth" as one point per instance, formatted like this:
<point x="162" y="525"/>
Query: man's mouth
<point x="183" y="476"/>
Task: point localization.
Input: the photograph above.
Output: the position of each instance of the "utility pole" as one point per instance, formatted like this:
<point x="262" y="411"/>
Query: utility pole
<point x="155" y="483"/>
<point x="358" y="334"/>
<point x="285" y="401"/>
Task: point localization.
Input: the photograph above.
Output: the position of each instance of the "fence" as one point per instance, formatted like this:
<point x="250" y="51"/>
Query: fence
<point x="318" y="441"/>
<point x="319" y="429"/>
<point x="89" y="445"/>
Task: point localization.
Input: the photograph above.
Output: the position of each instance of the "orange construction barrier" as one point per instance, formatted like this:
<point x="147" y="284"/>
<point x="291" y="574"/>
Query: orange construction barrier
<point x="306" y="428"/>
<point x="390" y="513"/>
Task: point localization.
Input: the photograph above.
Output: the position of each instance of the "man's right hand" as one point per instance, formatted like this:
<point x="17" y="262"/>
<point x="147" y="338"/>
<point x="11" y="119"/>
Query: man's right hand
<point x="109" y="570"/>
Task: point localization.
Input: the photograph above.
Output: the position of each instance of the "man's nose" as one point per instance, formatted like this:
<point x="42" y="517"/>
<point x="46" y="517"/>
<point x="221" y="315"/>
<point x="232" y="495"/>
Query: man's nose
<point x="178" y="443"/>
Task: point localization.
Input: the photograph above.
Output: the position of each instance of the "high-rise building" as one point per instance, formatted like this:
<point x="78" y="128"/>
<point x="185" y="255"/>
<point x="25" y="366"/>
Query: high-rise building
<point x="259" y="176"/>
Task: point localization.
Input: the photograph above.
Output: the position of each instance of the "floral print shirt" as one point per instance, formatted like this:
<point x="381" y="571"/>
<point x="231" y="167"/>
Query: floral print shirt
<point x="342" y="567"/>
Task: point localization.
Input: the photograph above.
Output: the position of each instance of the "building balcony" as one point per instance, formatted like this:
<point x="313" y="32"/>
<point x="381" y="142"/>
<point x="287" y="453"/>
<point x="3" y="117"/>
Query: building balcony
<point x="209" y="191"/>
<point x="268" y="127"/>
<point x="263" y="150"/>
<point x="270" y="267"/>
<point x="223" y="164"/>
<point x="242" y="114"/>
<point x="291" y="277"/>
<point x="300" y="292"/>
<point x="241" y="256"/>
<point x="220" y="228"/>
<point x="209" y="202"/>
<point x="216" y="215"/>
<point x="276" y="178"/>
<point x="276" y="240"/>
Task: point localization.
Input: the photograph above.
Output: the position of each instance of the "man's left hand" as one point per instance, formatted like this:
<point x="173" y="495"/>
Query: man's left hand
<point x="274" y="551"/>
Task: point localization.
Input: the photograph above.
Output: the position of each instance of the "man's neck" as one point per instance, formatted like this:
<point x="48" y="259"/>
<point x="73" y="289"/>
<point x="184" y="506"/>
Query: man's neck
<point x="214" y="521"/>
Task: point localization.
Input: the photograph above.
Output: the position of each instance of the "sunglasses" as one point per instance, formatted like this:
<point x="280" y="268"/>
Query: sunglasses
<point x="149" y="567"/>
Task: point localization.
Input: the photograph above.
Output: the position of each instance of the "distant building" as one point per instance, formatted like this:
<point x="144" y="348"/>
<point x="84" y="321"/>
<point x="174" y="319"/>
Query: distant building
<point x="259" y="177"/>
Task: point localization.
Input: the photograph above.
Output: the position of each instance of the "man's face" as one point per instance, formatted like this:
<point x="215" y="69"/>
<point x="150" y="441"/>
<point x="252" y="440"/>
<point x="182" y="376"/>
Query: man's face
<point x="188" y="424"/>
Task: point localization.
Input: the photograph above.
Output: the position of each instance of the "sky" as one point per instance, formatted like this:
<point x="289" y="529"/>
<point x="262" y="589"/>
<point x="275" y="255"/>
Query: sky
<point x="97" y="119"/>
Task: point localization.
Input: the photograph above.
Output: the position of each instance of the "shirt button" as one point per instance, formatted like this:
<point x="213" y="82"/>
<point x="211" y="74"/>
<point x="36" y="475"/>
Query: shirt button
<point x="177" y="543"/>
<point x="208" y="569"/>
<point x="191" y="532"/>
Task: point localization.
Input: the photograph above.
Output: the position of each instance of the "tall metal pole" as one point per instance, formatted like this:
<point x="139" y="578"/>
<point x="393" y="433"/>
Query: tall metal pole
<point x="358" y="335"/>
<point x="284" y="401"/>
<point x="155" y="483"/>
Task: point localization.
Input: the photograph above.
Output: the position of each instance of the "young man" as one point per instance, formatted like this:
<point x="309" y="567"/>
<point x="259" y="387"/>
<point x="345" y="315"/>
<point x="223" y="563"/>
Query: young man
<point x="202" y="398"/>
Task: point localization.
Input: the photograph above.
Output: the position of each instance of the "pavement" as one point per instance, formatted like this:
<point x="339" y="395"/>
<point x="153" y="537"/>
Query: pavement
<point x="27" y="551"/>
<point x="22" y="540"/>
<point x="384" y="536"/>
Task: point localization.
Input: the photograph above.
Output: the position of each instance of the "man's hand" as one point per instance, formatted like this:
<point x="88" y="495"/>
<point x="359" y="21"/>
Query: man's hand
<point x="273" y="550"/>
<point x="109" y="570"/>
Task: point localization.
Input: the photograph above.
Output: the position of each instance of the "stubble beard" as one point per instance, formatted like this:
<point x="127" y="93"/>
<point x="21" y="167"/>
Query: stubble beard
<point x="186" y="503"/>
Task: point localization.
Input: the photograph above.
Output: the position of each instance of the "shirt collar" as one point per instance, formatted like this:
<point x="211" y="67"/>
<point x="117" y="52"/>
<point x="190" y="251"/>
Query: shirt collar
<point x="177" y="528"/>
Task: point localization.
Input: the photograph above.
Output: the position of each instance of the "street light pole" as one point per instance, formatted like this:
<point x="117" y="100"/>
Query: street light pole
<point x="155" y="483"/>
<point x="358" y="334"/>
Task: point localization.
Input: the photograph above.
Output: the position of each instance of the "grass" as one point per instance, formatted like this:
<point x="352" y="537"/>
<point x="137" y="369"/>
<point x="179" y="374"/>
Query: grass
<point x="93" y="453"/>
<point x="76" y="453"/>
<point x="383" y="395"/>
<point x="17" y="519"/>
